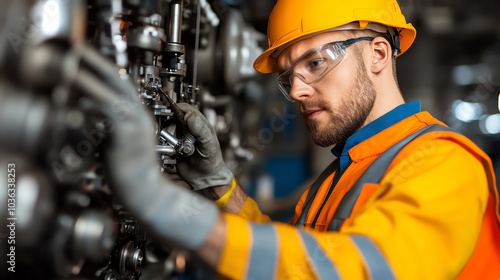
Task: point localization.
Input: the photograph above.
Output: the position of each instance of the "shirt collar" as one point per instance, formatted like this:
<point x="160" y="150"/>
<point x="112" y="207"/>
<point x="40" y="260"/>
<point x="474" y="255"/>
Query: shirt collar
<point x="392" y="117"/>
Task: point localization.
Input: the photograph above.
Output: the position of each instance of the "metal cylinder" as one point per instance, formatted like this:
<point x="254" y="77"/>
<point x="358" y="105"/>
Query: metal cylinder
<point x="169" y="138"/>
<point x="94" y="235"/>
<point x="63" y="20"/>
<point x="168" y="150"/>
<point x="175" y="25"/>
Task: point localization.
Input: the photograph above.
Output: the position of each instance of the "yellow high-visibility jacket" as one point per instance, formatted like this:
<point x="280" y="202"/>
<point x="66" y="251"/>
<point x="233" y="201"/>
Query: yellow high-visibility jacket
<point x="433" y="215"/>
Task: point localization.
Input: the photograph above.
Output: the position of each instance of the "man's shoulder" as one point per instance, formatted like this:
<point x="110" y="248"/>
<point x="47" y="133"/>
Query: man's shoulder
<point x="447" y="151"/>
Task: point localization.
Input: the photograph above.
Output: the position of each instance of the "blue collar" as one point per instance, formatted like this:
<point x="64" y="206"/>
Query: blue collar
<point x="394" y="116"/>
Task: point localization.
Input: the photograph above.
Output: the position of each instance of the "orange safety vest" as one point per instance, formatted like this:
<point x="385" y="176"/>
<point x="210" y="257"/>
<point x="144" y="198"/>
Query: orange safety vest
<point x="485" y="260"/>
<point x="413" y="224"/>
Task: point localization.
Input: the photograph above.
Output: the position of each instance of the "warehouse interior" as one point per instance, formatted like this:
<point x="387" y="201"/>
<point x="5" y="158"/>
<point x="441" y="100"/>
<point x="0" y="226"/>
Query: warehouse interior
<point x="55" y="136"/>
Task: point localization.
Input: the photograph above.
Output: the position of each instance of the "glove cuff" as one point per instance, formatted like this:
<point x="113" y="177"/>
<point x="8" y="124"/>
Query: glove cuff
<point x="223" y="177"/>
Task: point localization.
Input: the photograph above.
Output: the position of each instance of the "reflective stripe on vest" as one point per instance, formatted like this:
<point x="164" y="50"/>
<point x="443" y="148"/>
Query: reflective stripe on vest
<point x="375" y="262"/>
<point x="324" y="267"/>
<point x="264" y="253"/>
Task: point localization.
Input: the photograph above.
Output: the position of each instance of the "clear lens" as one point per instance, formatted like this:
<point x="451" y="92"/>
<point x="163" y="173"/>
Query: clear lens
<point x="312" y="66"/>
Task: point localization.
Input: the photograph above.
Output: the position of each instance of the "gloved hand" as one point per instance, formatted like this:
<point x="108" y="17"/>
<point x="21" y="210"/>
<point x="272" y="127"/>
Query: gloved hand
<point x="205" y="168"/>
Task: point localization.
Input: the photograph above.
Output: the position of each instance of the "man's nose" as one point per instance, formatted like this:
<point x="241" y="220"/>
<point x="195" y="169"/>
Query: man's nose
<point x="300" y="90"/>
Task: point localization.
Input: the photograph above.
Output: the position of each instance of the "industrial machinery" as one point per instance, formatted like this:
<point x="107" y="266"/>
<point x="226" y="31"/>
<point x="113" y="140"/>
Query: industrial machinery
<point x="70" y="71"/>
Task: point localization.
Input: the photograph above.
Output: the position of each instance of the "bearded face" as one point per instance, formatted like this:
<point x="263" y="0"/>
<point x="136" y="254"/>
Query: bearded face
<point x="346" y="116"/>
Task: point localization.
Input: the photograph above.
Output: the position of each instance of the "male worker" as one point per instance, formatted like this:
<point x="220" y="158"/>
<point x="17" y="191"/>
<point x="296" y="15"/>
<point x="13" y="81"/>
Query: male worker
<point x="408" y="198"/>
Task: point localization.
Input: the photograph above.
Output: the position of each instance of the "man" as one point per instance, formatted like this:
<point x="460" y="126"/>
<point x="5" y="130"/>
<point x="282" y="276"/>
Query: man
<point x="426" y="210"/>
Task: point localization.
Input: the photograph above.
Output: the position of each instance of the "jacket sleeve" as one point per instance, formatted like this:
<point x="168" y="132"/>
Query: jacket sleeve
<point x="251" y="212"/>
<point x="422" y="222"/>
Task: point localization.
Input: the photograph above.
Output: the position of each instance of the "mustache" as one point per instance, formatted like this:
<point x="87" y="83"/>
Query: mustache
<point x="317" y="104"/>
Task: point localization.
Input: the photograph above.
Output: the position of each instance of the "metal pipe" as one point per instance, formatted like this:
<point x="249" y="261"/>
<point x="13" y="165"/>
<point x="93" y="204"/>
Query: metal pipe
<point x="170" y="138"/>
<point x="196" y="45"/>
<point x="175" y="25"/>
<point x="168" y="150"/>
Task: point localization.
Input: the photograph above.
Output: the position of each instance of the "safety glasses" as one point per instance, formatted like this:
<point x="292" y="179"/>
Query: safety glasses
<point x="315" y="64"/>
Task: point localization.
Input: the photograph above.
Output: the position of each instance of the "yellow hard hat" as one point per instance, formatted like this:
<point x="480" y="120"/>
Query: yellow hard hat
<point x="293" y="20"/>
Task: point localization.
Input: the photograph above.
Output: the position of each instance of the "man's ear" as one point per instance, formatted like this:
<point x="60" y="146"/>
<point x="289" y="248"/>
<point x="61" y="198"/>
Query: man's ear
<point x="381" y="54"/>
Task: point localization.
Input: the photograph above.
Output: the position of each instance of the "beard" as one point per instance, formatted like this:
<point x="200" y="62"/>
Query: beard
<point x="349" y="116"/>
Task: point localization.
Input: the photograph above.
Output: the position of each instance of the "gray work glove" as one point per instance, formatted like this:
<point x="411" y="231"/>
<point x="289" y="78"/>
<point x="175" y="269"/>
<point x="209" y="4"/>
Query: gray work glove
<point x="205" y="168"/>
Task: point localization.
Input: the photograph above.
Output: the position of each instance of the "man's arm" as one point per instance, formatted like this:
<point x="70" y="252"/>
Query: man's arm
<point x="211" y="250"/>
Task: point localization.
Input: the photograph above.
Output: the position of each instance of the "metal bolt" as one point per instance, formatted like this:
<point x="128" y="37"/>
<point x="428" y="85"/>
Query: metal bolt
<point x="187" y="148"/>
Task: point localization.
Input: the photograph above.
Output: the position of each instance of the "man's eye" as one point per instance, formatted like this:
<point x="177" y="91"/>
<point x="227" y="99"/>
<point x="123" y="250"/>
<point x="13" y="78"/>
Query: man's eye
<point x="316" y="63"/>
